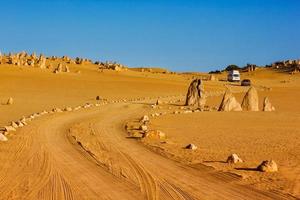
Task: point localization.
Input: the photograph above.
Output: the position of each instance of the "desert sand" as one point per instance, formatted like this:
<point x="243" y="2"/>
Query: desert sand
<point x="95" y="150"/>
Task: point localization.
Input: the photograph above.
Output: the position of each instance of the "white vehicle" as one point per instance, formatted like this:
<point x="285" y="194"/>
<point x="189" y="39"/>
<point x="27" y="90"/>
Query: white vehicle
<point x="234" y="75"/>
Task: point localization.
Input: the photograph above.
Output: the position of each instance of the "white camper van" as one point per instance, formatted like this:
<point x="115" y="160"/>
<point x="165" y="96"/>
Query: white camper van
<point x="233" y="76"/>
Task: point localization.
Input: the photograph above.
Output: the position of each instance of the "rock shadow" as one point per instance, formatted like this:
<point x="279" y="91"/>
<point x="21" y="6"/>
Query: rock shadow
<point x="214" y="161"/>
<point x="246" y="169"/>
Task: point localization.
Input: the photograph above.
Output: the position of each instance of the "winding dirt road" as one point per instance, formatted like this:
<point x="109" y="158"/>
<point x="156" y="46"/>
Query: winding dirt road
<point x="44" y="161"/>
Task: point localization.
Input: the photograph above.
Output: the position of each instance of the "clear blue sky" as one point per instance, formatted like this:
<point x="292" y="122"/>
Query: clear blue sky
<point x="182" y="35"/>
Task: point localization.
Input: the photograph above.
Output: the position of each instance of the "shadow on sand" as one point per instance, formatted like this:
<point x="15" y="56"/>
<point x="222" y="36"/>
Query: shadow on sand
<point x="246" y="169"/>
<point x="134" y="137"/>
<point x="214" y="161"/>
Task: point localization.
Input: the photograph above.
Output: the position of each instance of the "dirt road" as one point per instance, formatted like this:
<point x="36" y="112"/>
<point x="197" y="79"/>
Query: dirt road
<point x="43" y="161"/>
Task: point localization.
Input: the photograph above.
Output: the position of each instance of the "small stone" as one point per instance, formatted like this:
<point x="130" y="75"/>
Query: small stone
<point x="14" y="124"/>
<point x="77" y="108"/>
<point x="143" y="128"/>
<point x="145" y="119"/>
<point x="20" y="124"/>
<point x="187" y="111"/>
<point x="57" y="110"/>
<point x="233" y="159"/>
<point x="268" y="166"/>
<point x="3" y="138"/>
<point x="68" y="109"/>
<point x="191" y="146"/>
<point x="87" y="105"/>
<point x="10" y="101"/>
<point x="9" y="128"/>
<point x="155" y="134"/>
<point x="44" y="112"/>
<point x="159" y="102"/>
<point x="23" y="120"/>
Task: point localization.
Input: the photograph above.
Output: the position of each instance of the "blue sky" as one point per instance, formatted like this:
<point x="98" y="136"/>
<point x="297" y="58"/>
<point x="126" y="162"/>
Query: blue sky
<point x="182" y="35"/>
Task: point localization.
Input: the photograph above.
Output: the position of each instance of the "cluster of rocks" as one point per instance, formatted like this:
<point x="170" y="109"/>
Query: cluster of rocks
<point x="112" y="66"/>
<point x="251" y="67"/>
<point x="14" y="125"/>
<point x="144" y="131"/>
<point x="81" y="61"/>
<point x="265" y="166"/>
<point x="291" y="65"/>
<point x="24" y="120"/>
<point x="24" y="59"/>
<point x="196" y="96"/>
<point x="250" y="102"/>
<point x="61" y="68"/>
<point x="68" y="60"/>
<point x="155" y="134"/>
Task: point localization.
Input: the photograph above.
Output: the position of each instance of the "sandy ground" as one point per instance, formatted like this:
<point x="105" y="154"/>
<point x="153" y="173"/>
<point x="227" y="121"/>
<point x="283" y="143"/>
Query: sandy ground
<point x="86" y="154"/>
<point x="34" y="90"/>
<point x="254" y="136"/>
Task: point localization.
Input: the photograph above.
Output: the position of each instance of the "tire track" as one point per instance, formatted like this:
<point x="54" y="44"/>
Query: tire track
<point x="147" y="182"/>
<point x="170" y="190"/>
<point x="41" y="163"/>
<point x="48" y="165"/>
<point x="190" y="182"/>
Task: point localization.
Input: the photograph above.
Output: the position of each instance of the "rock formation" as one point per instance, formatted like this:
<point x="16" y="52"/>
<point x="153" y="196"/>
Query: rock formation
<point x="30" y="62"/>
<point x="155" y="134"/>
<point x="229" y="103"/>
<point x="212" y="77"/>
<point x="60" y="68"/>
<point x="41" y="62"/>
<point x="7" y="128"/>
<point x="98" y="98"/>
<point x="68" y="109"/>
<point x="67" y="69"/>
<point x="233" y="159"/>
<point x="267" y="106"/>
<point x="144" y="128"/>
<point x="268" y="166"/>
<point x="250" y="101"/>
<point x="191" y="146"/>
<point x="195" y="94"/>
<point x="14" y="124"/>
<point x="56" y="110"/>
<point x="145" y="119"/>
<point x="3" y="138"/>
<point x="10" y="101"/>
<point x="158" y="102"/>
